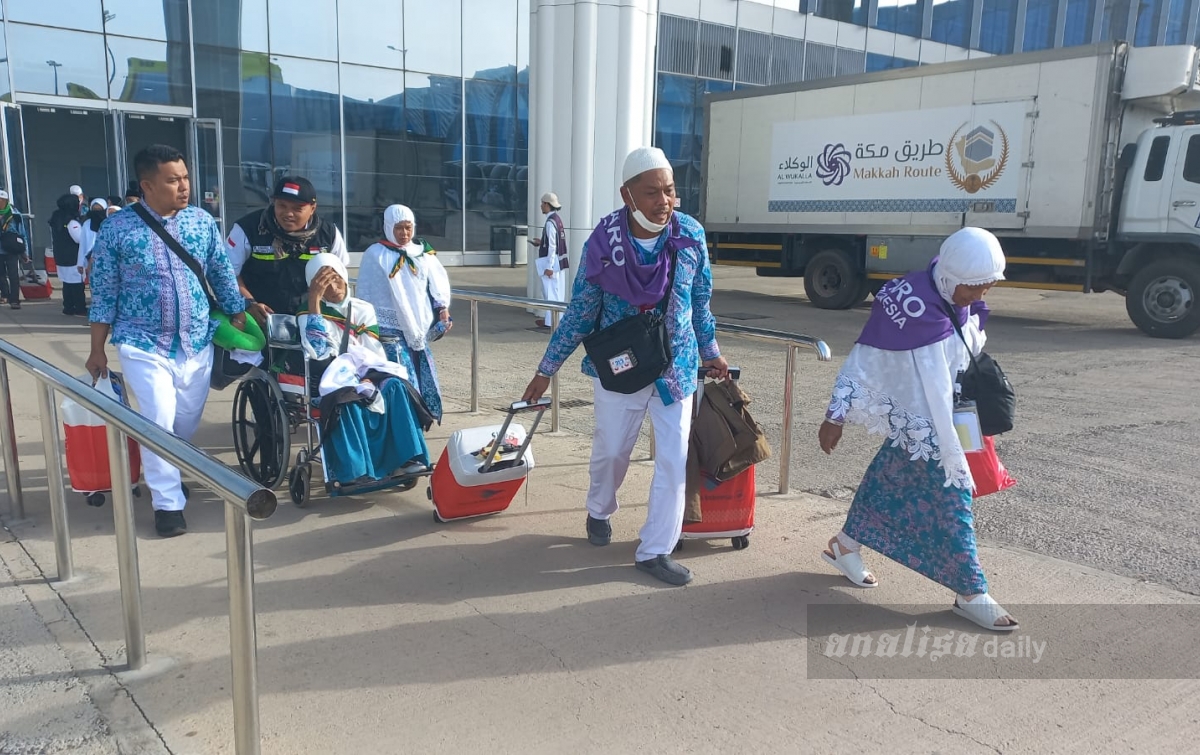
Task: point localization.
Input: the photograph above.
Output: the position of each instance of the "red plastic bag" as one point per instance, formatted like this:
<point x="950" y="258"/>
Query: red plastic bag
<point x="988" y="471"/>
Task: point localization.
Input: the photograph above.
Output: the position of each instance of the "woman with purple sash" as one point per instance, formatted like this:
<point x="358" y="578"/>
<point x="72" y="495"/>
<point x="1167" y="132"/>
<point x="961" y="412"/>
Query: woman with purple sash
<point x="914" y="504"/>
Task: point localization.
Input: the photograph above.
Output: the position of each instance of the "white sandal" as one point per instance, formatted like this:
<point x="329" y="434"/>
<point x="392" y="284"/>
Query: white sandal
<point x="850" y="564"/>
<point x="985" y="612"/>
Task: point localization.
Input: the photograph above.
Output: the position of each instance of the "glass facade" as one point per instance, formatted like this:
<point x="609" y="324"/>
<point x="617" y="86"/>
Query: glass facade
<point x="1040" y="19"/>
<point x="952" y="20"/>
<point x="421" y="102"/>
<point x="426" y="102"/>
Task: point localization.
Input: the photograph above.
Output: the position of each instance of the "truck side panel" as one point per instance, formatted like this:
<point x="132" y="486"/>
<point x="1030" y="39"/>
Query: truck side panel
<point x="1060" y="155"/>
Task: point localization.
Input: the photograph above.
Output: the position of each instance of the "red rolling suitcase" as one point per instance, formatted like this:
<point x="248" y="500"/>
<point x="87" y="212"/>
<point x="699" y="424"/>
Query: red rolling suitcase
<point x="728" y="507"/>
<point x="482" y="468"/>
<point x="728" y="510"/>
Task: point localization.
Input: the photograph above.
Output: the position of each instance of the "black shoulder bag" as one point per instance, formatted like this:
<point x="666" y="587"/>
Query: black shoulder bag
<point x="986" y="384"/>
<point x="633" y="352"/>
<point x="11" y="242"/>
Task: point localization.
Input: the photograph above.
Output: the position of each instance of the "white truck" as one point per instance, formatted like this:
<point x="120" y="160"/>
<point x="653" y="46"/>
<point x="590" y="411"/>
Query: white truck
<point x="1084" y="161"/>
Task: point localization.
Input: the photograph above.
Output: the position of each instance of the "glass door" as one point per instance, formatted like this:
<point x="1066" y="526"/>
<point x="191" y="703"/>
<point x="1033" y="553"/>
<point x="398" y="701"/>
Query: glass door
<point x="136" y="131"/>
<point x="13" y="175"/>
<point x="206" y="167"/>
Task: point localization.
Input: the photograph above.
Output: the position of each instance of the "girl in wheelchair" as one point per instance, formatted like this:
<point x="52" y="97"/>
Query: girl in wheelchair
<point x="371" y="428"/>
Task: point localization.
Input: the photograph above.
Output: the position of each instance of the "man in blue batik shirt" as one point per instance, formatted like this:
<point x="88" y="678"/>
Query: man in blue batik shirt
<point x="158" y="314"/>
<point x="626" y="269"/>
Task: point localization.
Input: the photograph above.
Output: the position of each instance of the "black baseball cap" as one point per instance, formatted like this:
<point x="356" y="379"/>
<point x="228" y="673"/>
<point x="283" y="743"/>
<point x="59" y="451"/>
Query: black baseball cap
<point x="295" y="188"/>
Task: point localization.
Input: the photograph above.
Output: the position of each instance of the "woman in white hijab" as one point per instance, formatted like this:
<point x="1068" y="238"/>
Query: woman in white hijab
<point x="914" y="504"/>
<point x="361" y="444"/>
<point x="97" y="214"/>
<point x="323" y="323"/>
<point x="403" y="279"/>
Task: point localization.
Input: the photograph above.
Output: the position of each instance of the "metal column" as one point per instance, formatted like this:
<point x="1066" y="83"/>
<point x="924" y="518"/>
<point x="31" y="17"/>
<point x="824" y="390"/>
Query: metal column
<point x="474" y="356"/>
<point x="243" y="641"/>
<point x="8" y="439"/>
<point x="54" y="483"/>
<point x="785" y="444"/>
<point x="127" y="556"/>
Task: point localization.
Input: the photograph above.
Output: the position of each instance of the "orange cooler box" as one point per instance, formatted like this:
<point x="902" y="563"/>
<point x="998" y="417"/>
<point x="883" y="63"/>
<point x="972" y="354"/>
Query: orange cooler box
<point x="728" y="510"/>
<point x="464" y="484"/>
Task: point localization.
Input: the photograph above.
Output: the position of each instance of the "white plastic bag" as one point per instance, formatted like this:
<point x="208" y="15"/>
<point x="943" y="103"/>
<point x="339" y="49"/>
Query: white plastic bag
<point x="76" y="416"/>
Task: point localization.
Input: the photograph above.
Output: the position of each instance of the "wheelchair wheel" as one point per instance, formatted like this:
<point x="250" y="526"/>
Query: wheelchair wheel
<point x="260" y="432"/>
<point x="300" y="485"/>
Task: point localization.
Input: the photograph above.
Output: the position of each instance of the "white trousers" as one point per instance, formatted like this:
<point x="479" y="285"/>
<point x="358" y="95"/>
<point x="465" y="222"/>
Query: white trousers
<point x="618" y="420"/>
<point x="171" y="393"/>
<point x="554" y="289"/>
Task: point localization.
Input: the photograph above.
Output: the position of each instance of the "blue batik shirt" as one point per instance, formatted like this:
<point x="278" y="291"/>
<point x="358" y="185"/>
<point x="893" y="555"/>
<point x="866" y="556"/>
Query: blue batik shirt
<point x="690" y="322"/>
<point x="148" y="295"/>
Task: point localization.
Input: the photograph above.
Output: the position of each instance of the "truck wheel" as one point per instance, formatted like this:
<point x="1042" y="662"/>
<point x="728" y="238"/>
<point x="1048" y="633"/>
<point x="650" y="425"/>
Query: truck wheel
<point x="832" y="282"/>
<point x="1162" y="298"/>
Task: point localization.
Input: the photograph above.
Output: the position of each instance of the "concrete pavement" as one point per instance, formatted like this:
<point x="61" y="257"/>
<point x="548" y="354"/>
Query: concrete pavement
<point x="381" y="631"/>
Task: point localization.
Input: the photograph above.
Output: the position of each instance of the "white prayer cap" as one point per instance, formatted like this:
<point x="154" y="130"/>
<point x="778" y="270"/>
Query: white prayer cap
<point x="551" y="199"/>
<point x="968" y="257"/>
<point x="103" y="203"/>
<point x="394" y="214"/>
<point x="643" y="159"/>
<point x="76" y="190"/>
<point x="323" y="260"/>
<point x="3" y="194"/>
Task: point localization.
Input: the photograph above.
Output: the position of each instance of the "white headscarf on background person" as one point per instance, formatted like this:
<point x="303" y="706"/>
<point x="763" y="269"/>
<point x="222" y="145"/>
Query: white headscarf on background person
<point x="968" y="257"/>
<point x="398" y="213"/>
<point x="401" y="297"/>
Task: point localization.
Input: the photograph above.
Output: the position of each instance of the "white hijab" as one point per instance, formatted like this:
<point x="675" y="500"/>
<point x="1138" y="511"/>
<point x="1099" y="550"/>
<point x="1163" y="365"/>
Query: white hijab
<point x="322" y="261"/>
<point x="362" y="315"/>
<point x="395" y="214"/>
<point x="968" y="257"/>
<point x="403" y="296"/>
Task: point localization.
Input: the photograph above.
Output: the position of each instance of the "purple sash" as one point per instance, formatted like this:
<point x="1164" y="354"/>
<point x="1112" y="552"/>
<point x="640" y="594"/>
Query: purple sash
<point x="909" y="313"/>
<point x="612" y="261"/>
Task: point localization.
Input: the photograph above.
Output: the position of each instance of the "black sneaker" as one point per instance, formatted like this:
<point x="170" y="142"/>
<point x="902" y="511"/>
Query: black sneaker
<point x="667" y="569"/>
<point x="15" y="305"/>
<point x="599" y="531"/>
<point x="169" y="523"/>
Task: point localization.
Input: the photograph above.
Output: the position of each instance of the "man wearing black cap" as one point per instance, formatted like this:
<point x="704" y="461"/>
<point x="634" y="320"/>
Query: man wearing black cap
<point x="270" y="248"/>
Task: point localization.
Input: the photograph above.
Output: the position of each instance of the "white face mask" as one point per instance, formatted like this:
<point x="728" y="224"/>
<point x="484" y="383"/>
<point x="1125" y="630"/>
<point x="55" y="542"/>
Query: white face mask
<point x="647" y="223"/>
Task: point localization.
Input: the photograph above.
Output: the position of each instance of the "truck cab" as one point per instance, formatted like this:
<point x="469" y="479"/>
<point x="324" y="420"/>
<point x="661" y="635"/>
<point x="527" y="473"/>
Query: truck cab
<point x="1159" y="228"/>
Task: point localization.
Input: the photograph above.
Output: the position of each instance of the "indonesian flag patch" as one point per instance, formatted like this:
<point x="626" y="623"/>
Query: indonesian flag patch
<point x="293" y="189"/>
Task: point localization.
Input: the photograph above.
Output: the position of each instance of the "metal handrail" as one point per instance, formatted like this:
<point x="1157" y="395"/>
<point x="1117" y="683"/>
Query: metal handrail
<point x="793" y="341"/>
<point x="243" y="499"/>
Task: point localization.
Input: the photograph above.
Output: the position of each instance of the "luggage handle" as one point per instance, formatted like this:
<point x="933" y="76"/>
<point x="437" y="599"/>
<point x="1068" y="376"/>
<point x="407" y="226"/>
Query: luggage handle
<point x="540" y="406"/>
<point x="735" y="373"/>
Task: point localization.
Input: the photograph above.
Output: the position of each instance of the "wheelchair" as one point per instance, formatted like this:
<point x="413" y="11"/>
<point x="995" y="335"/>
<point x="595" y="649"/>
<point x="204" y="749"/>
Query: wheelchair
<point x="272" y="406"/>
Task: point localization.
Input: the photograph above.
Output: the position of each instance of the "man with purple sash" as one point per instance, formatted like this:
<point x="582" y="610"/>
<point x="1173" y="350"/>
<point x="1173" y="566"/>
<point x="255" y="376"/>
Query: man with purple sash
<point x="914" y="503"/>
<point x="626" y="269"/>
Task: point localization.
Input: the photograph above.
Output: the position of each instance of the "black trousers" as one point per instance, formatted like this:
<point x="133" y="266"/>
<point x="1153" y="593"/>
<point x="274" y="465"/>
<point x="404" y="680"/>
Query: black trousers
<point x="10" y="277"/>
<point x="74" y="299"/>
